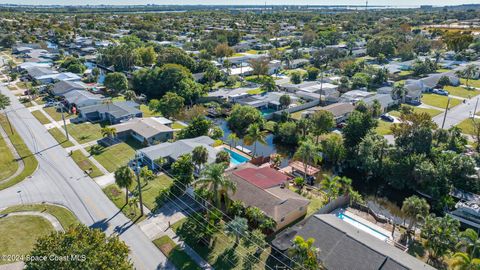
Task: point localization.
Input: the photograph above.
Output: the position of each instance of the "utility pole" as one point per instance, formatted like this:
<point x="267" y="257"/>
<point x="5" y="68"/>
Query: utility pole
<point x="446" y="110"/>
<point x="475" y="110"/>
<point x="137" y="173"/>
<point x="64" y="123"/>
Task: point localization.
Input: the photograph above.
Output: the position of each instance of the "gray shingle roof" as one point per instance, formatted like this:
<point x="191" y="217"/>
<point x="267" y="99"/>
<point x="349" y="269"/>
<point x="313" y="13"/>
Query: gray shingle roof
<point x="117" y="109"/>
<point x="180" y="147"/>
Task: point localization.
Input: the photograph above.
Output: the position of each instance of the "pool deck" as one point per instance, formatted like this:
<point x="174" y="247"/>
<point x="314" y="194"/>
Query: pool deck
<point x="233" y="149"/>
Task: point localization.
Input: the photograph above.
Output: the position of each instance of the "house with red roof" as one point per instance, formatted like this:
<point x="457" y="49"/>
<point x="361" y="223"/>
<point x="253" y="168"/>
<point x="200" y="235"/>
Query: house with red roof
<point x="267" y="189"/>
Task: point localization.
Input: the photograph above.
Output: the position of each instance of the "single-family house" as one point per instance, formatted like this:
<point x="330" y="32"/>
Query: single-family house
<point x="35" y="73"/>
<point x="431" y="81"/>
<point x="62" y="87"/>
<point x="145" y="130"/>
<point x="112" y="112"/>
<point x="267" y="189"/>
<point x="345" y="246"/>
<point x="171" y="151"/>
<point x="297" y="63"/>
<point x="82" y="98"/>
<point x="340" y="111"/>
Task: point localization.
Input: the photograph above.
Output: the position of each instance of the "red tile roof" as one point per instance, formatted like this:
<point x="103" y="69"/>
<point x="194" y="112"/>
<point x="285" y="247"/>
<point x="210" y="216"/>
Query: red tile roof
<point x="262" y="177"/>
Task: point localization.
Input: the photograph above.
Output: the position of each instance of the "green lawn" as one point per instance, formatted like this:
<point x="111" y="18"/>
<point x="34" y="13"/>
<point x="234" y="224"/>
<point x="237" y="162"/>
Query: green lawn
<point x="461" y="91"/>
<point x="117" y="196"/>
<point x="41" y="117"/>
<point x="8" y="164"/>
<point x="28" y="158"/>
<point x="471" y="83"/>
<point x="114" y="156"/>
<point x="175" y="254"/>
<point x="439" y="101"/>
<point x="85" y="164"/>
<point x="85" y="132"/>
<point x="57" y="115"/>
<point x="383" y="127"/>
<point x="431" y="112"/>
<point x="467" y="126"/>
<point x="256" y="91"/>
<point x="151" y="190"/>
<point x="223" y="254"/>
<point x="177" y="125"/>
<point x="20" y="240"/>
<point x="64" y="216"/>
<point x="147" y="112"/>
<point x="60" y="137"/>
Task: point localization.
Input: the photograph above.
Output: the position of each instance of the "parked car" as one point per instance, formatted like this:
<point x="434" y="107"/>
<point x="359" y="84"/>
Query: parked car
<point x="51" y="103"/>
<point x="386" y="117"/>
<point x="440" y="92"/>
<point x="414" y="102"/>
<point x="341" y="125"/>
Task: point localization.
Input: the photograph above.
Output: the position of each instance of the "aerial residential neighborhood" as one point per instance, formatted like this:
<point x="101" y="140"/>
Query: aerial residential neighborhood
<point x="239" y="136"/>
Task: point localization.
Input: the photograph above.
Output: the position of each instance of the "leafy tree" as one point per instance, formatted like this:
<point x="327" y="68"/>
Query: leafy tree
<point x="236" y="208"/>
<point x="287" y="133"/>
<point x="469" y="242"/>
<point x="124" y="177"/>
<point x="173" y="55"/>
<point x="198" y="127"/>
<point x="146" y="174"/>
<point x="296" y="77"/>
<point x="357" y="126"/>
<point x="259" y="66"/>
<point x="372" y="154"/>
<point x="308" y="153"/>
<point x="95" y="248"/>
<point x="8" y="41"/>
<point x="238" y="228"/>
<point x="304" y="254"/>
<point x="322" y="122"/>
<point x="312" y="73"/>
<point x="130" y="95"/>
<point x="256" y="238"/>
<point x="214" y="180"/>
<point x="269" y="84"/>
<point x="223" y="50"/>
<point x="147" y="55"/>
<point x="170" y="104"/>
<point x="333" y="149"/>
<point x="255" y="134"/>
<point x="381" y="44"/>
<point x="440" y="234"/>
<point x="468" y="73"/>
<point x="415" y="208"/>
<point x="122" y="57"/>
<point x="423" y="67"/>
<point x="414" y="133"/>
<point x="399" y="92"/>
<point x="182" y="170"/>
<point x="199" y="156"/>
<point x="109" y="132"/>
<point x="242" y="117"/>
<point x="444" y="81"/>
<point x="116" y="81"/>
<point x="285" y="101"/>
<point x="360" y="80"/>
<point x="463" y="261"/>
<point x="457" y="41"/>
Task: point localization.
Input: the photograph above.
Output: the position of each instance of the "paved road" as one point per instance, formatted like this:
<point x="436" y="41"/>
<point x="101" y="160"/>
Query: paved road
<point x="457" y="114"/>
<point x="59" y="180"/>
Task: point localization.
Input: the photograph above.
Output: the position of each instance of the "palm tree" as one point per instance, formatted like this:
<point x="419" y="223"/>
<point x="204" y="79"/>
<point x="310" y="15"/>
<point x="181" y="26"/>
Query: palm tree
<point x="254" y="214"/>
<point x="233" y="139"/>
<point x="268" y="225"/>
<point x="415" y="207"/>
<point x="237" y="227"/>
<point x="331" y="185"/>
<point x="308" y="153"/>
<point x="304" y="125"/>
<point x="124" y="177"/>
<point x="4" y="103"/>
<point x="109" y="132"/>
<point x="133" y="203"/>
<point x="199" y="156"/>
<point x="463" y="261"/>
<point x="213" y="180"/>
<point x="255" y="134"/>
<point x="469" y="72"/>
<point x="160" y="162"/>
<point x="399" y="91"/>
<point x="130" y="95"/>
<point x="469" y="242"/>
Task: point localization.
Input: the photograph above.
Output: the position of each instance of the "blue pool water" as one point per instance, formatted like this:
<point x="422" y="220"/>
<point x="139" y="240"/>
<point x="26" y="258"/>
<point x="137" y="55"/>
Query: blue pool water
<point x="236" y="158"/>
<point x="362" y="226"/>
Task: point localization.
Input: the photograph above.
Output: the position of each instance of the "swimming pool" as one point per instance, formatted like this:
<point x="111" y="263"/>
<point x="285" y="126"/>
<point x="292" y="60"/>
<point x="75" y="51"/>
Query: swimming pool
<point x="362" y="226"/>
<point x="236" y="158"/>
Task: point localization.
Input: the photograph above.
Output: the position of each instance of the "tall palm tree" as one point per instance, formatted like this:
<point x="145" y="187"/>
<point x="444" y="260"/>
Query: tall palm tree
<point x="470" y="242"/>
<point x="254" y="214"/>
<point x="237" y="227"/>
<point x="213" y="180"/>
<point x="463" y="261"/>
<point x="331" y="185"/>
<point x="255" y="134"/>
<point x="469" y="72"/>
<point x="308" y="153"/>
<point x="109" y="132"/>
<point x="399" y="91"/>
<point x="124" y="177"/>
<point x="233" y="138"/>
<point x="304" y="125"/>
<point x="199" y="156"/>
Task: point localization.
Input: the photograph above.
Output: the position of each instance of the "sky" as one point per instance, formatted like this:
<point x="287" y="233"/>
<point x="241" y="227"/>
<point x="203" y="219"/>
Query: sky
<point x="245" y="2"/>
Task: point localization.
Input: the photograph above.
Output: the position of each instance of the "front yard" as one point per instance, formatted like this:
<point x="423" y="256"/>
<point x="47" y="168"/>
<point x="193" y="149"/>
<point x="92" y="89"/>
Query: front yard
<point x="85" y="164"/>
<point x="383" y="127"/>
<point x="431" y="112"/>
<point x="175" y="254"/>
<point x="471" y="83"/>
<point x="85" y="132"/>
<point x="60" y="137"/>
<point x="460" y="91"/>
<point x="8" y="164"/>
<point x="117" y="196"/>
<point x="113" y="156"/>
<point x="152" y="189"/>
<point x="467" y="126"/>
<point x="439" y="101"/>
<point x="57" y="115"/>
